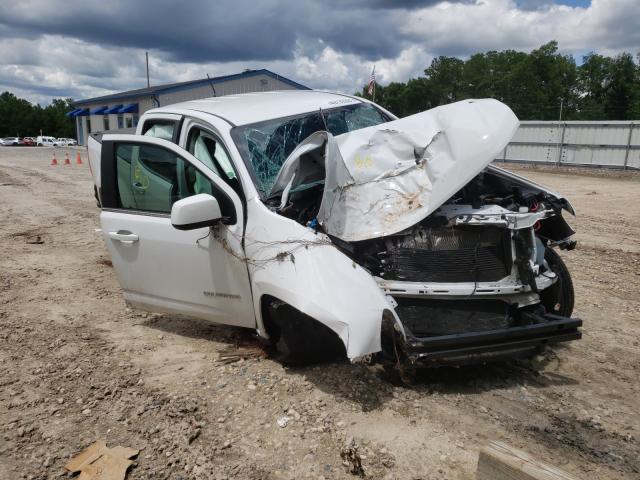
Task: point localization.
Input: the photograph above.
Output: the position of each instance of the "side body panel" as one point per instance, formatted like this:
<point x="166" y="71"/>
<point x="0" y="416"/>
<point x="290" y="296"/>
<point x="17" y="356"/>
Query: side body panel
<point x="197" y="272"/>
<point x="297" y="266"/>
<point x="175" y="271"/>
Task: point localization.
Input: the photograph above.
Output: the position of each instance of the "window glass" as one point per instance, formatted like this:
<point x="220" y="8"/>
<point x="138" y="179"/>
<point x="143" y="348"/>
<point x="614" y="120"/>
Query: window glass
<point x="105" y="122"/>
<point x="128" y="123"/>
<point x="206" y="148"/>
<point x="152" y="178"/>
<point x="266" y="145"/>
<point x="120" y="121"/>
<point x="159" y="129"/>
<point x="212" y="153"/>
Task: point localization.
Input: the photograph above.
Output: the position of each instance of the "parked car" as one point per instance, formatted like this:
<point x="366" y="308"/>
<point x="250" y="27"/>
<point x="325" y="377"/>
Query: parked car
<point x="44" y="141"/>
<point x="327" y="224"/>
<point x="29" y="141"/>
<point x="67" y="142"/>
<point x="12" y="142"/>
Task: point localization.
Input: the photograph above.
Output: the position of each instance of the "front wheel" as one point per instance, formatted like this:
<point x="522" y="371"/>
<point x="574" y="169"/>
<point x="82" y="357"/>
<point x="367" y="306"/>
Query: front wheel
<point x="558" y="298"/>
<point x="300" y="339"/>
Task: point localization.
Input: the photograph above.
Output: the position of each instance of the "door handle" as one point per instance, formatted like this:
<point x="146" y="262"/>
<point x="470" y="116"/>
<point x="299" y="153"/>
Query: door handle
<point x="124" y="236"/>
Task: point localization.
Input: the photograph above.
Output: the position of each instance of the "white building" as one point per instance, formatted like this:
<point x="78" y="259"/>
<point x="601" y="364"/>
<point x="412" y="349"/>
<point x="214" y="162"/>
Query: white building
<point x="122" y="110"/>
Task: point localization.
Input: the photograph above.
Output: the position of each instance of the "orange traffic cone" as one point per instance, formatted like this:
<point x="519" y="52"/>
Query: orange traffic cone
<point x="53" y="159"/>
<point x="78" y="159"/>
<point x="66" y="159"/>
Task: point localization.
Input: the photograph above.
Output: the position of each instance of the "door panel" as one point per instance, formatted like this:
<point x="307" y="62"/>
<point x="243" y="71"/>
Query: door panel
<point x="195" y="272"/>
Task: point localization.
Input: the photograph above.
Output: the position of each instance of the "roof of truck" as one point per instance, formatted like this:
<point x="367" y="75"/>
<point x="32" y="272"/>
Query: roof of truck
<point x="249" y="108"/>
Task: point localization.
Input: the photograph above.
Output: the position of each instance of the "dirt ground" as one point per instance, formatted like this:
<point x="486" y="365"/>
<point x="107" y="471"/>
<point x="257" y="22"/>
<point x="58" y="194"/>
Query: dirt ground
<point x="76" y="365"/>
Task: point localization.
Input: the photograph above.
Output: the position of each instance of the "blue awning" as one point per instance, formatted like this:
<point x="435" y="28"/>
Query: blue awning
<point x="113" y="109"/>
<point x="131" y="108"/>
<point x="98" y="111"/>
<point x="72" y="113"/>
<point x="81" y="112"/>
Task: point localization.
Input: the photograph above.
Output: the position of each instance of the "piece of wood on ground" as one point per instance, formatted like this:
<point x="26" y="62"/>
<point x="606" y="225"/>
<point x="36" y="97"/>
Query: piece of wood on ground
<point x="107" y="467"/>
<point x="235" y="354"/>
<point x="123" y="452"/>
<point x="89" y="455"/>
<point x="499" y="461"/>
<point x="98" y="462"/>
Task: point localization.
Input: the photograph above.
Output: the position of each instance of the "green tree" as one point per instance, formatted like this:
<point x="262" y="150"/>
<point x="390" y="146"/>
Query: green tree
<point x="18" y="117"/>
<point x="593" y="81"/>
<point x="533" y="84"/>
<point x="622" y="90"/>
<point x="444" y="80"/>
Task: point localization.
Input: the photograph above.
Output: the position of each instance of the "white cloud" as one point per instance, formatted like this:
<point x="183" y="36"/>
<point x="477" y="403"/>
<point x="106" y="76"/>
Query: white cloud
<point x="40" y="66"/>
<point x="461" y="29"/>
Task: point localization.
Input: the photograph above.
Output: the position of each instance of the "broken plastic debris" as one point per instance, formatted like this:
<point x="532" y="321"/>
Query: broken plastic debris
<point x="235" y="354"/>
<point x="283" y="421"/>
<point x="351" y="458"/>
<point x="98" y="462"/>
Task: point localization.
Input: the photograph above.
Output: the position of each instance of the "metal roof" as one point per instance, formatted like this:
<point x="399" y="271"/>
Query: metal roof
<point x="245" y="108"/>
<point x="171" y="87"/>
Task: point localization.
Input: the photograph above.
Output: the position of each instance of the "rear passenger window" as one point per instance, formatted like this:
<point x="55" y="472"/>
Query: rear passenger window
<point x="165" y="129"/>
<point x="152" y="179"/>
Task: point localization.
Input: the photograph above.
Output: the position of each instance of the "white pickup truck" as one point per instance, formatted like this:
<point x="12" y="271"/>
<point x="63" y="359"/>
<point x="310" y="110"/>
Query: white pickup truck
<point x="327" y="224"/>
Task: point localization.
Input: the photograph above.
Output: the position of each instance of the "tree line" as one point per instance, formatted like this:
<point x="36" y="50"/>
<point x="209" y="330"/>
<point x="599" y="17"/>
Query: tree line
<point x="21" y="118"/>
<point x="536" y="85"/>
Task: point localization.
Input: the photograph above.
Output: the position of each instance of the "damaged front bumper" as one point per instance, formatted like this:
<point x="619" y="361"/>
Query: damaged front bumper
<point x="515" y="341"/>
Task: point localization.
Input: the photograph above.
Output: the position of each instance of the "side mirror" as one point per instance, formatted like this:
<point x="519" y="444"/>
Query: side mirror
<point x="197" y="211"/>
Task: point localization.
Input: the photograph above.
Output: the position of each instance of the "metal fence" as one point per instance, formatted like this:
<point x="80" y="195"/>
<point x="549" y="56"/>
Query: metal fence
<point x="614" y="144"/>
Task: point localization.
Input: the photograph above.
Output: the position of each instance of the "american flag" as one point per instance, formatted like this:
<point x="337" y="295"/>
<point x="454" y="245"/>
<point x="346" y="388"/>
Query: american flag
<point x="372" y="81"/>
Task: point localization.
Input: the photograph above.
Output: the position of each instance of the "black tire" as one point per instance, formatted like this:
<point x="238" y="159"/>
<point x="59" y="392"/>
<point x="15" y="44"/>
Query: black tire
<point x="299" y="339"/>
<point x="560" y="297"/>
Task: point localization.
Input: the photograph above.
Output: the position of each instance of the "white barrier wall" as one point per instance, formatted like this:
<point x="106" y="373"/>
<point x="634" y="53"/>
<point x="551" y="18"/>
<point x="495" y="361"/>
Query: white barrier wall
<point x="614" y="144"/>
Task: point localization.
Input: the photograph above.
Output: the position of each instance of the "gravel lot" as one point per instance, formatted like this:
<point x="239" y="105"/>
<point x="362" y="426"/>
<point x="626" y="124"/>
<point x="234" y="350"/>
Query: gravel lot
<point x="76" y="365"/>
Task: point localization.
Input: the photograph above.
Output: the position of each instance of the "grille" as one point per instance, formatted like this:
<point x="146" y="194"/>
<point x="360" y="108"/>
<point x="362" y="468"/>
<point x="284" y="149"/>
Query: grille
<point x="452" y="255"/>
<point x="446" y="317"/>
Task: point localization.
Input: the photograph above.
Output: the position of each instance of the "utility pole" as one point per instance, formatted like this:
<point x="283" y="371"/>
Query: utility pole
<point x="561" y="104"/>
<point x="147" y="55"/>
<point x="564" y="127"/>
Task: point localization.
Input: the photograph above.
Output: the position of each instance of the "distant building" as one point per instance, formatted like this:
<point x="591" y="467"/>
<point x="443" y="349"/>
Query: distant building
<point x="122" y="110"/>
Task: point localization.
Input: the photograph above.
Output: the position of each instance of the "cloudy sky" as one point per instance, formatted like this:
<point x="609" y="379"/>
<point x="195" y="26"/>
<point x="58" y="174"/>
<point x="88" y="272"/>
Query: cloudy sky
<point x="85" y="48"/>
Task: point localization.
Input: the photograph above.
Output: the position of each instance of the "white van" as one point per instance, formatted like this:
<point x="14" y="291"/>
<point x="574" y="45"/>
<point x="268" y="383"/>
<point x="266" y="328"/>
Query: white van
<point x="43" y="141"/>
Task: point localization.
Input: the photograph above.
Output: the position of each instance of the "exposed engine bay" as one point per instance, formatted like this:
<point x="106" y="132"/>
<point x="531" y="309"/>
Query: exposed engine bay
<point x="463" y="250"/>
<point x="482" y="262"/>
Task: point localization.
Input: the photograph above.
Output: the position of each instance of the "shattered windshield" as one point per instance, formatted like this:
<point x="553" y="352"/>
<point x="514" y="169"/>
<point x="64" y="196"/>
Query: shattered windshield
<point x="266" y="145"/>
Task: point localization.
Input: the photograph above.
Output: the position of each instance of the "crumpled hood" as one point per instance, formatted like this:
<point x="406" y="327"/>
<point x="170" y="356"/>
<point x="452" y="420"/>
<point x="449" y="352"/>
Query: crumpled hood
<point x="383" y="179"/>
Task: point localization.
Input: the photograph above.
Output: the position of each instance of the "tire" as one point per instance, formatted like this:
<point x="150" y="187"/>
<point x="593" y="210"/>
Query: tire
<point x="559" y="298"/>
<point x="299" y="339"/>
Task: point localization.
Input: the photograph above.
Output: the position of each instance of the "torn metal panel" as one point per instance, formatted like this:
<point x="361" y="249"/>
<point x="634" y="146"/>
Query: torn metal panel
<point x="383" y="179"/>
<point x="492" y="215"/>
<point x="322" y="282"/>
<point x="516" y="179"/>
